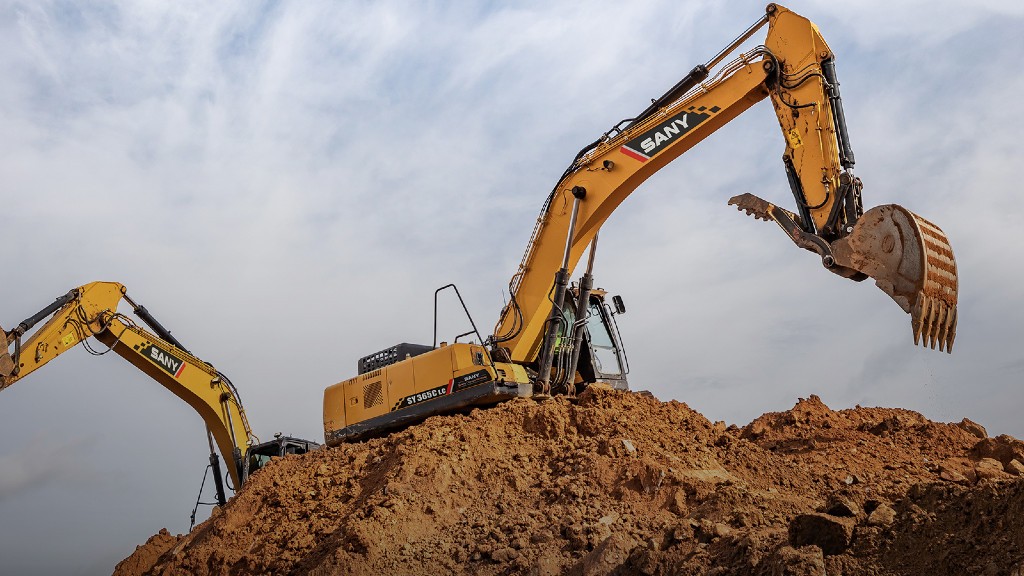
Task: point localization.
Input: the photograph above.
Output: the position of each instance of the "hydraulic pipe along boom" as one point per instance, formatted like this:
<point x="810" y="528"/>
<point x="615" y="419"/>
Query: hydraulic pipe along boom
<point x="558" y="298"/>
<point x="582" y="307"/>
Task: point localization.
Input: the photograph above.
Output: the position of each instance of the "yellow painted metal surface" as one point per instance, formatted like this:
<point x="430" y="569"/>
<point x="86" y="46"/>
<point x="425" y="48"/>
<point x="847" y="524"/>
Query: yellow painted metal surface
<point x="789" y="72"/>
<point x="410" y="382"/>
<point x="612" y="172"/>
<point x="93" y="313"/>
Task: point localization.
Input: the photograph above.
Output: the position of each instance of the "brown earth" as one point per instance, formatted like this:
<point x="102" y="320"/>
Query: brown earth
<point x="619" y="483"/>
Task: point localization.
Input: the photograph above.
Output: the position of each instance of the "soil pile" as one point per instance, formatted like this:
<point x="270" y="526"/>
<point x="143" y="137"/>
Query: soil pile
<point x="620" y="483"/>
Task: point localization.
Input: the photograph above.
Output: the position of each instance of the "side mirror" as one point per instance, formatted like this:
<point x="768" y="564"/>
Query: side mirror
<point x="620" y="308"/>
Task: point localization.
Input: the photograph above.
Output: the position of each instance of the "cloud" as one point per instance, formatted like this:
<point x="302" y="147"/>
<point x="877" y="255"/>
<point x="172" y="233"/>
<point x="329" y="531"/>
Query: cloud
<point x="911" y="23"/>
<point x="285" y="184"/>
<point x="37" y="463"/>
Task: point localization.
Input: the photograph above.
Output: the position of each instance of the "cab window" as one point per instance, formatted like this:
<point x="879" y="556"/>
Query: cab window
<point x="606" y="358"/>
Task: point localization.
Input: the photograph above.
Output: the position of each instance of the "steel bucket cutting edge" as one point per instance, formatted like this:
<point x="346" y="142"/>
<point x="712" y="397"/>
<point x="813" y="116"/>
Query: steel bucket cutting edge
<point x="911" y="260"/>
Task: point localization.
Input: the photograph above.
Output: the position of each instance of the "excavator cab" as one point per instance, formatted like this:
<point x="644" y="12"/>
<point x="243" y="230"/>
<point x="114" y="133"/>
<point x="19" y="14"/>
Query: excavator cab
<point x="601" y="356"/>
<point x="261" y="454"/>
<point x="605" y="346"/>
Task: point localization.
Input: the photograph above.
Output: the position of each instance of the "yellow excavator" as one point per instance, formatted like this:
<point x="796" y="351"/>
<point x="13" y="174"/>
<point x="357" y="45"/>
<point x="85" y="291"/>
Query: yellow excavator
<point x="90" y="311"/>
<point x="556" y="338"/>
<point x="553" y="337"/>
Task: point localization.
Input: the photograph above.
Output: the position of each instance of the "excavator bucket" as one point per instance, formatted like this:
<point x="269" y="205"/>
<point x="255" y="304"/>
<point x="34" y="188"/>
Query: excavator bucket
<point x="6" y="363"/>
<point x="909" y="257"/>
<point x="911" y="260"/>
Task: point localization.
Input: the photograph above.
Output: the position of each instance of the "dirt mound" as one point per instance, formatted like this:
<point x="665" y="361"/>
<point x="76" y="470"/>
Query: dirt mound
<point x="618" y="483"/>
<point x="146" y="556"/>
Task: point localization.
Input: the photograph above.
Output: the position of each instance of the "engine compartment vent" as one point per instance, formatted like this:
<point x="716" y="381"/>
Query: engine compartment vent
<point x="391" y="355"/>
<point x="372" y="394"/>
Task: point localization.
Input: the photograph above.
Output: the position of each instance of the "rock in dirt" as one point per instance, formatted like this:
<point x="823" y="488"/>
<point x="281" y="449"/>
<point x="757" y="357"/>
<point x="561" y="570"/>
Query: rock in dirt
<point x="989" y="469"/>
<point x="1015" y="467"/>
<point x="843" y="507"/>
<point x="973" y="428"/>
<point x="952" y="475"/>
<point x="806" y="561"/>
<point x="552" y="488"/>
<point x="606" y="556"/>
<point x="1003" y="448"/>
<point x="628" y="445"/>
<point x="882" y="515"/>
<point x="830" y="533"/>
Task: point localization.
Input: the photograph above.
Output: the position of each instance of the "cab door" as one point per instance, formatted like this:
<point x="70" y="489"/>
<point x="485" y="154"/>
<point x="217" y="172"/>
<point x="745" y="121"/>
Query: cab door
<point x="606" y="352"/>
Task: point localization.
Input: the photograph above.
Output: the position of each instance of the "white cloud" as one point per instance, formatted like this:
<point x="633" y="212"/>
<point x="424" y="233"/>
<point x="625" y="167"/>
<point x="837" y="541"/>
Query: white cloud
<point x="285" y="187"/>
<point x="36" y="463"/>
<point x="908" y="24"/>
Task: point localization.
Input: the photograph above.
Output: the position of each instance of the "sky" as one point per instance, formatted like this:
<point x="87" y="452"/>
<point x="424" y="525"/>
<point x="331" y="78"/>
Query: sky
<point x="285" y="184"/>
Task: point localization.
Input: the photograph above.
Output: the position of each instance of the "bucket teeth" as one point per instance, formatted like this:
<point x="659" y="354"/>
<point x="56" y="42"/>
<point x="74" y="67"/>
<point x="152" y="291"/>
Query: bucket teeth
<point x="911" y="260"/>
<point x="934" y="323"/>
<point x="752" y="205"/>
<point x="6" y="362"/>
<point x="762" y="209"/>
<point x="940" y="286"/>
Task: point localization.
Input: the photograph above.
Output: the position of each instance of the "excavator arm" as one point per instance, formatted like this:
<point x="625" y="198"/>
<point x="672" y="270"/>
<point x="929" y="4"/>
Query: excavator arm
<point x="550" y="338"/>
<point x="908" y="257"/>
<point x="90" y="311"/>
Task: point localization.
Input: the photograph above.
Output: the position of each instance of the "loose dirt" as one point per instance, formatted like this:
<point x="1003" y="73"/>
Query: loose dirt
<point x="620" y="483"/>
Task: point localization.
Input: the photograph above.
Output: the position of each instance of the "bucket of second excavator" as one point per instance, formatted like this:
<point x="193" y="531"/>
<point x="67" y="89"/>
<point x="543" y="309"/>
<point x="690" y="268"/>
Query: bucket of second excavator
<point x="911" y="260"/>
<point x="6" y="362"/>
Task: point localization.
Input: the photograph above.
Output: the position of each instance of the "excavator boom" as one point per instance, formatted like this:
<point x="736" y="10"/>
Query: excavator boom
<point x="90" y="312"/>
<point x="909" y="258"/>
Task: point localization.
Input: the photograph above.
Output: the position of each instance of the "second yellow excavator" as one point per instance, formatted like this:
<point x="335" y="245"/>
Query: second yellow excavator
<point x="553" y="337"/>
<point x="91" y="312"/>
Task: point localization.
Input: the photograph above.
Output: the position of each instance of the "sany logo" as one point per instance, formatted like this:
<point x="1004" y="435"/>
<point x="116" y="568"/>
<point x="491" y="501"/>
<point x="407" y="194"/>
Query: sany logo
<point x="646" y="145"/>
<point x="467" y="380"/>
<point x="664" y="134"/>
<point x="164" y="359"/>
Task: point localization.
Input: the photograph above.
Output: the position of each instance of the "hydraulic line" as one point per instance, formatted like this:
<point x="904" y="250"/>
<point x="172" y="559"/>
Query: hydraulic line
<point x="561" y="283"/>
<point x="152" y="322"/>
<point x="828" y="68"/>
<point x="27" y="325"/>
<point x="218" y="480"/>
<point x="582" y="309"/>
<point x="698" y="74"/>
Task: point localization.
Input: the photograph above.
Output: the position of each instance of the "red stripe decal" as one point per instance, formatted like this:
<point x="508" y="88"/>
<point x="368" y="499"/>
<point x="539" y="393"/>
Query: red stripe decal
<point x="180" y="370"/>
<point x="450" y="383"/>
<point x="633" y="154"/>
